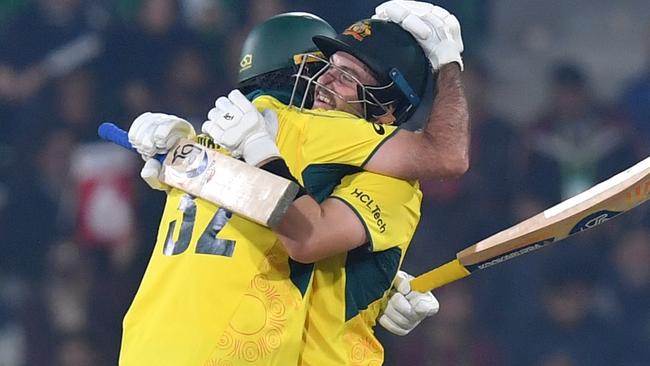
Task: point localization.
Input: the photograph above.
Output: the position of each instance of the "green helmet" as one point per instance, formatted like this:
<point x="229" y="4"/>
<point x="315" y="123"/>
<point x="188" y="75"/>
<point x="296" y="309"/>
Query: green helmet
<point x="273" y="44"/>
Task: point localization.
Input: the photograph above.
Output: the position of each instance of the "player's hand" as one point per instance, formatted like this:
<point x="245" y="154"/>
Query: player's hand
<point x="235" y="124"/>
<point x="436" y="30"/>
<point x="151" y="173"/>
<point x="406" y="308"/>
<point x="156" y="133"/>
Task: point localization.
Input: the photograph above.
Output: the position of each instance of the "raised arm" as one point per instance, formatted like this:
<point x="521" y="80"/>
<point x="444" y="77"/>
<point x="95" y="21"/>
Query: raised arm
<point x="441" y="150"/>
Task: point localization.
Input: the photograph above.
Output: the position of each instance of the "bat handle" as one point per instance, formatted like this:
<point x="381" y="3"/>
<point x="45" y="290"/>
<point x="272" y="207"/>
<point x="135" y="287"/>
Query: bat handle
<point x="440" y="276"/>
<point x="110" y="132"/>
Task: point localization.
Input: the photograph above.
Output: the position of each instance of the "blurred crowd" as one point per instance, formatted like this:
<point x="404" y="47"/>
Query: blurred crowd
<point x="77" y="224"/>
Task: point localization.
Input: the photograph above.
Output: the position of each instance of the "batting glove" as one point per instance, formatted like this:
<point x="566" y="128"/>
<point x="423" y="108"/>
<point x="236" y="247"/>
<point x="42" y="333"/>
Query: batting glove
<point x="156" y="133"/>
<point x="436" y="30"/>
<point x="235" y="124"/>
<point x="406" y="308"/>
<point x="150" y="173"/>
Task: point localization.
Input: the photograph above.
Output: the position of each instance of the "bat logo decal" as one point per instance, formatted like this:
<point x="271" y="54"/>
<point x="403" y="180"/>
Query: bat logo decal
<point x="594" y="219"/>
<point x="190" y="160"/>
<point x="507" y="256"/>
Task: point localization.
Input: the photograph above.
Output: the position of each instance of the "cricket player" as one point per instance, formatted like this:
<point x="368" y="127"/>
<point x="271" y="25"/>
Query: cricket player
<point x="340" y="333"/>
<point x="254" y="346"/>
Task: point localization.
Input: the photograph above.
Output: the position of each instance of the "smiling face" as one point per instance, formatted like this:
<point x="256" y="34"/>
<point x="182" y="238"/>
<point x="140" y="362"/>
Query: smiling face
<point x="340" y="82"/>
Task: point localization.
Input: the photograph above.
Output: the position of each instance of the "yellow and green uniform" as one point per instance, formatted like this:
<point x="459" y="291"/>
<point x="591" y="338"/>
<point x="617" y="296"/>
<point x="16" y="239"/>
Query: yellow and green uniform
<point x="218" y="290"/>
<point x="221" y="290"/>
<point x="327" y="140"/>
<point x="325" y="151"/>
<point x="350" y="289"/>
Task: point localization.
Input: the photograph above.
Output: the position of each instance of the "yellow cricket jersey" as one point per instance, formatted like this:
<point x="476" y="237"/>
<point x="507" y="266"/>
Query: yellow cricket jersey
<point x="324" y="144"/>
<point x="350" y="289"/>
<point x="221" y="290"/>
<point x="325" y="151"/>
<point x="218" y="290"/>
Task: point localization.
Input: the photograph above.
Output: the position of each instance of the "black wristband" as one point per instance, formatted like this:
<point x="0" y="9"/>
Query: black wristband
<point x="279" y="167"/>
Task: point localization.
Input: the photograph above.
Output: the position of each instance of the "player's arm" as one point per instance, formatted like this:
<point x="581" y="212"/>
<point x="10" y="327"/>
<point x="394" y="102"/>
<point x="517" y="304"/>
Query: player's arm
<point x="442" y="149"/>
<point x="363" y="209"/>
<point x="311" y="231"/>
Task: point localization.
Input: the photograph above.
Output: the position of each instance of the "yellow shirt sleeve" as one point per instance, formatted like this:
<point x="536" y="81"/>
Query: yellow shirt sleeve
<point x="319" y="136"/>
<point x="389" y="208"/>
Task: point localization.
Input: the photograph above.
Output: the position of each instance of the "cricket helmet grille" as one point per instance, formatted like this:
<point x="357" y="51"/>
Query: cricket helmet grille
<point x="393" y="55"/>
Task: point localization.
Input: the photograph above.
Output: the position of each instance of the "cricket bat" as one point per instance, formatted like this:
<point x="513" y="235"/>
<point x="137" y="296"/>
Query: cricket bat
<point x="584" y="211"/>
<point x="230" y="183"/>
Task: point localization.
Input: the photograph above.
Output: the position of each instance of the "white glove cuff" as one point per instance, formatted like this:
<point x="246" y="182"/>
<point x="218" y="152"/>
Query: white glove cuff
<point x="259" y="149"/>
<point x="151" y="175"/>
<point x="446" y="52"/>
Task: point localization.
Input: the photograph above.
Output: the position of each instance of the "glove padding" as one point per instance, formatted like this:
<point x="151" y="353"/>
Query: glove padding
<point x="156" y="133"/>
<point x="436" y="30"/>
<point x="235" y="124"/>
<point x="406" y="308"/>
<point x="151" y="173"/>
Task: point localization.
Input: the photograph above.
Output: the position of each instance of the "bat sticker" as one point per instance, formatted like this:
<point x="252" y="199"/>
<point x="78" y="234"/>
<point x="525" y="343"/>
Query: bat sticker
<point x="594" y="219"/>
<point x="507" y="256"/>
<point x="189" y="160"/>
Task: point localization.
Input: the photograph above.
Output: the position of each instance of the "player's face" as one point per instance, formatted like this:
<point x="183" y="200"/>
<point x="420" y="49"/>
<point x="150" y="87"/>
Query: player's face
<point x="342" y="79"/>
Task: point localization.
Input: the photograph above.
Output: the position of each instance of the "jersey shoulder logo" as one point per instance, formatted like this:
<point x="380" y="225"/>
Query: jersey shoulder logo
<point x="379" y="128"/>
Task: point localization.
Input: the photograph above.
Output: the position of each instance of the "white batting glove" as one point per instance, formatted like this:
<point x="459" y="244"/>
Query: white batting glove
<point x="235" y="124"/>
<point x="156" y="133"/>
<point x="406" y="308"/>
<point x="150" y="173"/>
<point x="436" y="30"/>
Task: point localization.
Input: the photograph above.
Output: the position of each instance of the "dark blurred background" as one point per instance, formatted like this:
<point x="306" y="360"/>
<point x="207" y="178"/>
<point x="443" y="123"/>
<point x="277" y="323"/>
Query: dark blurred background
<point x="559" y="94"/>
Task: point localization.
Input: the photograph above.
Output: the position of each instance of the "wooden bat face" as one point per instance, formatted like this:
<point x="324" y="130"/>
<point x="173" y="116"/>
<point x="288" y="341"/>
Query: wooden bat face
<point x="232" y="184"/>
<point x="200" y="170"/>
<point x="584" y="211"/>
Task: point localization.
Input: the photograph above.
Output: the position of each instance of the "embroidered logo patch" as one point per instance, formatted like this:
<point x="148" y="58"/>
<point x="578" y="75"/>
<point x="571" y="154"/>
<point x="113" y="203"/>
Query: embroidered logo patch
<point x="359" y="30"/>
<point x="246" y="62"/>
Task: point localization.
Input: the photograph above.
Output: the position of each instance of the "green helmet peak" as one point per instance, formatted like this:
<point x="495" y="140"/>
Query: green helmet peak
<point x="274" y="44"/>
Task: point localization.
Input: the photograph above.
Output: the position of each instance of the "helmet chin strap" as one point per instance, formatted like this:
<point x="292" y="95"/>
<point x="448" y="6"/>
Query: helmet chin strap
<point x="404" y="87"/>
<point x="387" y="119"/>
<point x="373" y="108"/>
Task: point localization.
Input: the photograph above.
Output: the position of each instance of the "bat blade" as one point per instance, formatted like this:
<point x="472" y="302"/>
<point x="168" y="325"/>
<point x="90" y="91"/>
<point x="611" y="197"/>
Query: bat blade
<point x="230" y="183"/>
<point x="584" y="211"/>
